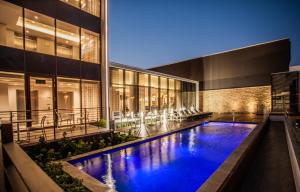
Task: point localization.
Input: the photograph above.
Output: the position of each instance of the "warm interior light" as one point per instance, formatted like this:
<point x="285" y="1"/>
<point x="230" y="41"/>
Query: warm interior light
<point x="49" y="30"/>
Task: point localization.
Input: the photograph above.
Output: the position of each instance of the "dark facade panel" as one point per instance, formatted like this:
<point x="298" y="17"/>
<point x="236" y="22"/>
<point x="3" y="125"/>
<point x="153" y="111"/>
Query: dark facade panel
<point x="11" y="59"/>
<point x="244" y="67"/>
<point x="16" y="2"/>
<point x="46" y="7"/>
<point x="68" y="67"/>
<point x="68" y="13"/>
<point x="90" y="22"/>
<point x="38" y="63"/>
<point x="62" y="11"/>
<point x="90" y="71"/>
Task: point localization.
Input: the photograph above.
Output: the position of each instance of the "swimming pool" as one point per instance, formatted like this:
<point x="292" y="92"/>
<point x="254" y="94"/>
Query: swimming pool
<point x="181" y="161"/>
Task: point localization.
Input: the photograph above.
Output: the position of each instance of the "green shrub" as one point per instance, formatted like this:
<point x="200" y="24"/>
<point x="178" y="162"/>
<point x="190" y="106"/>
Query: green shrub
<point x="44" y="154"/>
<point x="65" y="181"/>
<point x="100" y="123"/>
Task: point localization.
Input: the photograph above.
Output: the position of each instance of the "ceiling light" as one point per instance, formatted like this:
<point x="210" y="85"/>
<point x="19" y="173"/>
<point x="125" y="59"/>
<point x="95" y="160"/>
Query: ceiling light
<point x="36" y="17"/>
<point x="46" y="29"/>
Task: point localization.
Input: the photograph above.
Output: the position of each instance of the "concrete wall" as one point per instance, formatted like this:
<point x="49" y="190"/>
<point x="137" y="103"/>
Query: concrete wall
<point x="248" y="99"/>
<point x="244" y="67"/>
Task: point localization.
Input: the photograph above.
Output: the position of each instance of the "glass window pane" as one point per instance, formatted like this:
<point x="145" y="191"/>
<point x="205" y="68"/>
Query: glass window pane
<point x="143" y="99"/>
<point x="89" y="46"/>
<point x="143" y="79"/>
<point x="68" y="94"/>
<point x="130" y="77"/>
<point x="171" y="84"/>
<point x="178" y="85"/>
<point x="67" y="40"/>
<point x="116" y="98"/>
<point x="75" y="3"/>
<point x="39" y="32"/>
<point x="41" y="99"/>
<point x="154" y="99"/>
<point x="91" y="6"/>
<point x="163" y="99"/>
<point x="11" y="93"/>
<point x="178" y="100"/>
<point x="90" y="99"/>
<point x="11" y="23"/>
<point x="116" y="76"/>
<point x="130" y="99"/>
<point x="163" y="83"/>
<point x="172" y="104"/>
<point x="154" y="81"/>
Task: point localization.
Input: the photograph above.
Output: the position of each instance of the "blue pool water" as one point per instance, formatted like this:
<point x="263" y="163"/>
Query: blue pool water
<point x="178" y="162"/>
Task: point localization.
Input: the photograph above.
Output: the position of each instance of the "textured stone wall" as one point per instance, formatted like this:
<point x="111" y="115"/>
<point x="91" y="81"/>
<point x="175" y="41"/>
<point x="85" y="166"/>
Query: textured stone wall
<point x="248" y="99"/>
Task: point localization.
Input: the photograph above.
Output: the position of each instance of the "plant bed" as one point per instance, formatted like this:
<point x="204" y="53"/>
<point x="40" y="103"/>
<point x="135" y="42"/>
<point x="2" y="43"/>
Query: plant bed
<point x="46" y="155"/>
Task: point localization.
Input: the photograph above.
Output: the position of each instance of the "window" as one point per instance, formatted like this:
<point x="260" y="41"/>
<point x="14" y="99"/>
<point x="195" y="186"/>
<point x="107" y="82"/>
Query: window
<point x="12" y="92"/>
<point x="75" y="3"/>
<point x="143" y="79"/>
<point x="40" y="32"/>
<point x="89" y="46"/>
<point x="116" y="98"/>
<point x="90" y="99"/>
<point x="163" y="99"/>
<point x="154" y="99"/>
<point x="67" y="40"/>
<point x="178" y="95"/>
<point x="130" y="99"/>
<point x="11" y="25"/>
<point x="90" y="94"/>
<point x="130" y="78"/>
<point x="116" y="76"/>
<point x="172" y="98"/>
<point x="143" y="99"/>
<point x="41" y="99"/>
<point x="68" y="94"/>
<point x="154" y="81"/>
<point x="90" y="6"/>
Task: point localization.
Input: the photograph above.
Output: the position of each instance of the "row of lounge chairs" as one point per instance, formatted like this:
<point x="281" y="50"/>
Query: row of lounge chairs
<point x="152" y="118"/>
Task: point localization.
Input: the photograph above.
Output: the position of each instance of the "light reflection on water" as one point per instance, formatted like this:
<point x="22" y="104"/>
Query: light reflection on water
<point x="179" y="162"/>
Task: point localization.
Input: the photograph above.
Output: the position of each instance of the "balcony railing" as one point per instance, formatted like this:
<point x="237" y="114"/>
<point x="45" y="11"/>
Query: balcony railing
<point x="29" y="126"/>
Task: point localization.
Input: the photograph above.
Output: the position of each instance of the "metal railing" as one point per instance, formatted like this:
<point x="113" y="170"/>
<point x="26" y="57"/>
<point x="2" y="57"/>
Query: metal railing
<point x="52" y="124"/>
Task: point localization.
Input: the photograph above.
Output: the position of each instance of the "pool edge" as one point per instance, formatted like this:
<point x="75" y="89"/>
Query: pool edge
<point x="225" y="177"/>
<point x="87" y="179"/>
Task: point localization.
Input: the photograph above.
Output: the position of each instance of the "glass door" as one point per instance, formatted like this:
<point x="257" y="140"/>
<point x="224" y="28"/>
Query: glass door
<point x="41" y="94"/>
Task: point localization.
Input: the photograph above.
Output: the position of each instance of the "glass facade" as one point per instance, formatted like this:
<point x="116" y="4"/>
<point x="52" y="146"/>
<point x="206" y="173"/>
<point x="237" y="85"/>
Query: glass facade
<point x="12" y="96"/>
<point x="67" y="41"/>
<point x="89" y="46"/>
<point x="132" y="92"/>
<point x="11" y="25"/>
<point x="46" y="35"/>
<point x="90" y="6"/>
<point x="285" y="92"/>
<point x="39" y="32"/>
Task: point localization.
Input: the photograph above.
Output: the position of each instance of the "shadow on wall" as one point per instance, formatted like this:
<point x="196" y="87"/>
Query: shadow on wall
<point x="245" y="100"/>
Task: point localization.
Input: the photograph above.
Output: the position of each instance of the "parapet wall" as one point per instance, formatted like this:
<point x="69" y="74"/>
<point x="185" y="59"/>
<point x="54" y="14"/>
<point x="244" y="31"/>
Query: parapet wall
<point x="247" y="99"/>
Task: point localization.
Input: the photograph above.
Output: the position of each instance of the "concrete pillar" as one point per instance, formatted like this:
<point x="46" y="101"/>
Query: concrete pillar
<point x="104" y="62"/>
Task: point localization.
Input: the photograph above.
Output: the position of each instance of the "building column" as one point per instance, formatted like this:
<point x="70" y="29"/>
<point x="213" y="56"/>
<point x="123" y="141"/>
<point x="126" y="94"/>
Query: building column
<point x="197" y="95"/>
<point x="104" y="62"/>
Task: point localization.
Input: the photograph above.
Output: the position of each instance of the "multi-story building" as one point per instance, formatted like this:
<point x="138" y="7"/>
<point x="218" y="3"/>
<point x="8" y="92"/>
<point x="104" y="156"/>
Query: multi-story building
<point x="53" y="56"/>
<point x="54" y="66"/>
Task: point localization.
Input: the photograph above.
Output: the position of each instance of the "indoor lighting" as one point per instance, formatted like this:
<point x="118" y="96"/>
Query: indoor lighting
<point x="49" y="30"/>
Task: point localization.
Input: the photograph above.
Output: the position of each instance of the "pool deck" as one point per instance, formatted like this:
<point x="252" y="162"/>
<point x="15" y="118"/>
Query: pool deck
<point x="270" y="169"/>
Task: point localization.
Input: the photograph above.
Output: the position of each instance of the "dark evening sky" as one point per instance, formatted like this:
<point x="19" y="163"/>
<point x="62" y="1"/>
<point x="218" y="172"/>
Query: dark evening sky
<point x="147" y="33"/>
